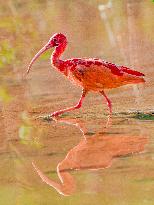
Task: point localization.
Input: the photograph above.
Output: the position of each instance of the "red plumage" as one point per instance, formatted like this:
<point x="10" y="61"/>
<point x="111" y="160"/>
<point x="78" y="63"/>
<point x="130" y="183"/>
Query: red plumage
<point x="92" y="74"/>
<point x="132" y="72"/>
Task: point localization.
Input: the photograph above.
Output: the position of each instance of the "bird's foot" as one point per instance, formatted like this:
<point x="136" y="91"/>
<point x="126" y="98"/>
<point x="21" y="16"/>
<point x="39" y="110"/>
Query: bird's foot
<point x="45" y="117"/>
<point x="52" y="117"/>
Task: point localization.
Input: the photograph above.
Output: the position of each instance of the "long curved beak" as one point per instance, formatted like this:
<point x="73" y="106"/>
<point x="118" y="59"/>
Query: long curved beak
<point x="46" y="47"/>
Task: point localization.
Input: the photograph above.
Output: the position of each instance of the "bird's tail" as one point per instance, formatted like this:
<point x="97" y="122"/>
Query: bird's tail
<point x="135" y="80"/>
<point x="132" y="76"/>
<point x="138" y="80"/>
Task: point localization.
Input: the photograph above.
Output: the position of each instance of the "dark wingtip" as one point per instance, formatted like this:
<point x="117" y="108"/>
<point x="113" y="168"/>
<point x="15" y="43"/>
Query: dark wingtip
<point x="131" y="72"/>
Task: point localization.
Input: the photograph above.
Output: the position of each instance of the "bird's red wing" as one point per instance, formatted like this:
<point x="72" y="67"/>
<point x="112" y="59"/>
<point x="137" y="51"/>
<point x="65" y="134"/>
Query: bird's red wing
<point x="94" y="62"/>
<point x="129" y="71"/>
<point x="114" y="68"/>
<point x="120" y="70"/>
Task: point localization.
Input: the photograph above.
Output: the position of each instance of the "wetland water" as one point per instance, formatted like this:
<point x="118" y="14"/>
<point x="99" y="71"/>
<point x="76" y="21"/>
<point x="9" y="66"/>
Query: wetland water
<point x="79" y="155"/>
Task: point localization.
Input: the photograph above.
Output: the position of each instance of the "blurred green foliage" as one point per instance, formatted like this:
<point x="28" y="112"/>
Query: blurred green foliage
<point x="25" y="128"/>
<point x="45" y="55"/>
<point x="7" y="54"/>
<point x="26" y="132"/>
<point x="4" y="95"/>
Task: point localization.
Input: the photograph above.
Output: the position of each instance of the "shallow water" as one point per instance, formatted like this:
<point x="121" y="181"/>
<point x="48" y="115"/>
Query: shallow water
<point x="82" y="157"/>
<point x="95" y="163"/>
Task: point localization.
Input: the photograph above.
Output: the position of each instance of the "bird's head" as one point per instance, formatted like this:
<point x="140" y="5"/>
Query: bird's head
<point x="56" y="40"/>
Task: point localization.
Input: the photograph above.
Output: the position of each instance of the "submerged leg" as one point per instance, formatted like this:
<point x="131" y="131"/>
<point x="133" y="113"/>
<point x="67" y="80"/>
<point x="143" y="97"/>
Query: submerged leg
<point x="77" y="106"/>
<point x="109" y="104"/>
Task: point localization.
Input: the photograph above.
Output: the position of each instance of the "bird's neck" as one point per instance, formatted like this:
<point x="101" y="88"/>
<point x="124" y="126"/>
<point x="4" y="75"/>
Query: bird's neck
<point x="55" y="57"/>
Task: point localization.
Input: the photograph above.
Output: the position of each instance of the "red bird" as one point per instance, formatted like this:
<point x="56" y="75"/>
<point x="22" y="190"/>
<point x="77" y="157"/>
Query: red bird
<point x="92" y="74"/>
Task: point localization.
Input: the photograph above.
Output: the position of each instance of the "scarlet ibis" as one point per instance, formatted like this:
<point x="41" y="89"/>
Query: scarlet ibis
<point x="92" y="74"/>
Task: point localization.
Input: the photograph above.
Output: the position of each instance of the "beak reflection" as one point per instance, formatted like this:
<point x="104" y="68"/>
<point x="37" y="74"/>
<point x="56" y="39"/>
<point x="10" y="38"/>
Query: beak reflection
<point x="91" y="153"/>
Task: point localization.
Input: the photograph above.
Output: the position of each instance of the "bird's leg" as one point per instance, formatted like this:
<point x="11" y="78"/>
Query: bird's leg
<point x="77" y="106"/>
<point x="108" y="102"/>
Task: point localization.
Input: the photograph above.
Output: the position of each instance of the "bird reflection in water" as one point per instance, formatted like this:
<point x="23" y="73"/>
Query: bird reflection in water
<point x="92" y="153"/>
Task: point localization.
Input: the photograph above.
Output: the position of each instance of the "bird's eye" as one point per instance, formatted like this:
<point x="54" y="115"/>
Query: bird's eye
<point x="55" y="41"/>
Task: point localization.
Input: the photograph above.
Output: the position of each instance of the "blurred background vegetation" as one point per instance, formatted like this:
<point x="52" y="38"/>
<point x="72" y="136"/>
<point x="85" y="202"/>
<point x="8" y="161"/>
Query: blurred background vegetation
<point x="26" y="25"/>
